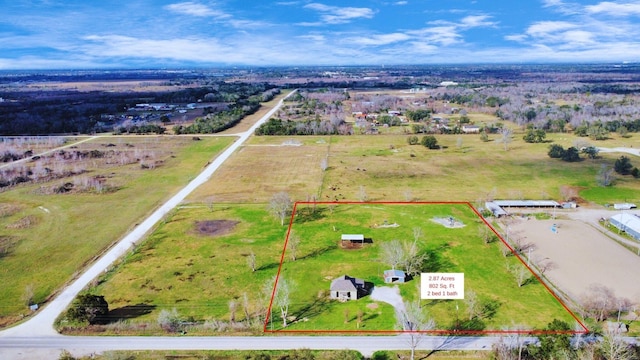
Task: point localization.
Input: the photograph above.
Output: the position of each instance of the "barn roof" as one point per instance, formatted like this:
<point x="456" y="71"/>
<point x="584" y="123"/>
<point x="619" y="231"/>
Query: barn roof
<point x="353" y="237"/>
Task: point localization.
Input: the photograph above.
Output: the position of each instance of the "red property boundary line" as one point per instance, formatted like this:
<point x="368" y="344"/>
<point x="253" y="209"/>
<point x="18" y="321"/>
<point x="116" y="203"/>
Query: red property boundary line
<point x="584" y="330"/>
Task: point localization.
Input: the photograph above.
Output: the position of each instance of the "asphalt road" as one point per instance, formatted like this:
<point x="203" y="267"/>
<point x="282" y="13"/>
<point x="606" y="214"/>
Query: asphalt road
<point x="48" y="347"/>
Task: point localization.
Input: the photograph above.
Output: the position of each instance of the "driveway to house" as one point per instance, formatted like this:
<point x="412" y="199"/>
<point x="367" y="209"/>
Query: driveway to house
<point x="628" y="150"/>
<point x="390" y="295"/>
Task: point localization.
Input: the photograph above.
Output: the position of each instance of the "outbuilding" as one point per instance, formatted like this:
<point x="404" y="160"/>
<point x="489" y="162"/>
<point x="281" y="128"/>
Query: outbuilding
<point x="394" y="276"/>
<point x="627" y="223"/>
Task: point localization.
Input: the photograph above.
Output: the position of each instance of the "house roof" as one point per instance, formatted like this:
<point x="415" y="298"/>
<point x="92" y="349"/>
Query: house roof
<point x="346" y="283"/>
<point x="353" y="237"/>
<point x="526" y="203"/>
<point x="394" y="273"/>
<point x="627" y="221"/>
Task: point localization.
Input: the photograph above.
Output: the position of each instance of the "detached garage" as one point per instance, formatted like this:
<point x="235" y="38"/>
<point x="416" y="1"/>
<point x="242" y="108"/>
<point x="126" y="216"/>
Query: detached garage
<point x="628" y="223"/>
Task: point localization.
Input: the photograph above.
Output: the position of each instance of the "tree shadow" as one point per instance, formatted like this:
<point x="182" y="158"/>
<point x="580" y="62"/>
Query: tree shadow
<point x="318" y="251"/>
<point x="435" y="261"/>
<point x="268" y="266"/>
<point x="489" y="308"/>
<point x="315" y="308"/>
<point x="128" y="312"/>
<point x="474" y="324"/>
<point x="309" y="213"/>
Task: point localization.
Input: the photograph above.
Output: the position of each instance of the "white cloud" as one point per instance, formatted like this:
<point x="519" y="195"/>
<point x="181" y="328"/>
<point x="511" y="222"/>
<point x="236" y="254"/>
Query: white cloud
<point x="401" y="3"/>
<point x="615" y="8"/>
<point x="379" y="40"/>
<point x="339" y="15"/>
<point x="477" y="21"/>
<point x="195" y="9"/>
<point x="546" y="28"/>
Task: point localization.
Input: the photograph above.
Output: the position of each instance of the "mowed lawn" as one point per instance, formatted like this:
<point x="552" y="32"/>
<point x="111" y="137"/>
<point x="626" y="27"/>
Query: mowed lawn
<point x="197" y="273"/>
<point x="321" y="259"/>
<point x="200" y="275"/>
<point x="65" y="232"/>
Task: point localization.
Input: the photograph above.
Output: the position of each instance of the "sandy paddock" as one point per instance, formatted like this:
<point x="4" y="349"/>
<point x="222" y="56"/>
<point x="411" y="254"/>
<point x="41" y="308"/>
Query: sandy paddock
<point x="583" y="256"/>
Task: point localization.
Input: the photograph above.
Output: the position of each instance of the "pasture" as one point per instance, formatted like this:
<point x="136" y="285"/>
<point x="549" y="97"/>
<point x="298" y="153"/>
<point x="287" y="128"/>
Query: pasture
<point x="386" y="168"/>
<point x="207" y="278"/>
<point x="47" y="237"/>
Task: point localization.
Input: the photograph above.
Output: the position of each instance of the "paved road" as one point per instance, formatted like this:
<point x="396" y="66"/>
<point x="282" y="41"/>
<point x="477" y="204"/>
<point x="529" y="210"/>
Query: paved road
<point x="49" y="346"/>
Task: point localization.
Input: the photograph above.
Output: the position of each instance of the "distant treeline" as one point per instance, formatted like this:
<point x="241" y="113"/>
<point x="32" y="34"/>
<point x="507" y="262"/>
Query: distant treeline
<point x="63" y="112"/>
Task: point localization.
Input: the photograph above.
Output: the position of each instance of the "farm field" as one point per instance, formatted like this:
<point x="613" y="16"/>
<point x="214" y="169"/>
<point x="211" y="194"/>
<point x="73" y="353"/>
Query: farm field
<point x="203" y="272"/>
<point x="386" y="168"/>
<point x="51" y="229"/>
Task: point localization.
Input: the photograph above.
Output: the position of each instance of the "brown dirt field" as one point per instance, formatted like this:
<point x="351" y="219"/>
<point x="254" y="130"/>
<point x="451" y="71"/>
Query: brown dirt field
<point x="215" y="227"/>
<point x="583" y="257"/>
<point x="264" y="167"/>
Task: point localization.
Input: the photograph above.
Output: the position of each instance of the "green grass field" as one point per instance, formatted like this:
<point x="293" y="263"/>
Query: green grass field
<point x="199" y="275"/>
<point x="67" y="231"/>
<point x="450" y="250"/>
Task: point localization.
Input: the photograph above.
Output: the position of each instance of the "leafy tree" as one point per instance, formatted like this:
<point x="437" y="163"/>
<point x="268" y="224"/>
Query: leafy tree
<point x="623" y="166"/>
<point x="413" y="140"/>
<point x="591" y="151"/>
<point x="556" y="151"/>
<point x="635" y="172"/>
<point x="430" y="142"/>
<point x="534" y="135"/>
<point x="623" y="131"/>
<point x="484" y="137"/>
<point x="88" y="308"/>
<point x="418" y="115"/>
<point x="571" y="154"/>
<point x="555" y="343"/>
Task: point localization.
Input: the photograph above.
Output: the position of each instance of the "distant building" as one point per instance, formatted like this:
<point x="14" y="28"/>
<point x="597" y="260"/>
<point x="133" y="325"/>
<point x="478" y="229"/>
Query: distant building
<point x="470" y="129"/>
<point x="394" y="276"/>
<point x="624" y="206"/>
<point x="627" y="223"/>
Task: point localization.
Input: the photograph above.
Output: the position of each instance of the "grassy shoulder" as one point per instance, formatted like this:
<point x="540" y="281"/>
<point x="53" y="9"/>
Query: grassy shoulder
<point x="66" y="231"/>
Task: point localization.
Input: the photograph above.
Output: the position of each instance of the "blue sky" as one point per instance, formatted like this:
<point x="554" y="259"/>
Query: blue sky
<point x="53" y="34"/>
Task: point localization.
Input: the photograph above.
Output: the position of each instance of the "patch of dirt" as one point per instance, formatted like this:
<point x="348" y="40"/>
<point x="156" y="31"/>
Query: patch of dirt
<point x="215" y="227"/>
<point x="372" y="306"/>
<point x="449" y="222"/>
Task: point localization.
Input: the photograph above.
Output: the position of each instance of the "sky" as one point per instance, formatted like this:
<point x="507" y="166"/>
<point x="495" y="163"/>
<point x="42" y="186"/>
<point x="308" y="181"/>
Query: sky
<point x="87" y="34"/>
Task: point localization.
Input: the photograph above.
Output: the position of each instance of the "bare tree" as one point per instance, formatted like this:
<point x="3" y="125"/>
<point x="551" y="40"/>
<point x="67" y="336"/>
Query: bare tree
<point x="614" y="347"/>
<point x="545" y="264"/>
<point x="392" y="253"/>
<point x="233" y="307"/>
<point x="415" y="321"/>
<point x="251" y="261"/>
<point x="324" y="163"/>
<point x="280" y="206"/>
<point x="210" y="203"/>
<point x="605" y="175"/>
<point x="506" y="137"/>
<point x="293" y="245"/>
<point x="281" y="297"/>
<point x="28" y="294"/>
<point x="599" y="302"/>
<point x="405" y="255"/>
<point x="245" y="307"/>
<point x="408" y="195"/>
<point x="362" y="194"/>
<point x="487" y="234"/>
<point x="473" y="304"/>
<point x="417" y="233"/>
<point x="520" y="273"/>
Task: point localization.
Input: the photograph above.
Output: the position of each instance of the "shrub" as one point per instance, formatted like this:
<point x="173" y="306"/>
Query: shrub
<point x="88" y="308"/>
<point x="556" y="151"/>
<point x="413" y="140"/>
<point x="623" y="166"/>
<point x="430" y="142"/>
